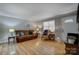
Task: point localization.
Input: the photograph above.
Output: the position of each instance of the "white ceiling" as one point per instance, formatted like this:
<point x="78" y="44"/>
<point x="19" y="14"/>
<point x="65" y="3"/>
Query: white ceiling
<point x="34" y="11"/>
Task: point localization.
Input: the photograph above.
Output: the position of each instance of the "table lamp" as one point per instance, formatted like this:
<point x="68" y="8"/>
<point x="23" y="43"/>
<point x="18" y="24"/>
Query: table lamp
<point x="12" y="31"/>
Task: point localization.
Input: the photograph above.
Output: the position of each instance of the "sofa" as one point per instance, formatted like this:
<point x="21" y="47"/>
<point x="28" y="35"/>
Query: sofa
<point x="24" y="35"/>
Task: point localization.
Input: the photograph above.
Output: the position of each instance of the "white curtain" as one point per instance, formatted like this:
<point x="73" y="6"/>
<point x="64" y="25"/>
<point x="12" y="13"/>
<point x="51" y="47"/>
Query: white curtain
<point x="49" y="25"/>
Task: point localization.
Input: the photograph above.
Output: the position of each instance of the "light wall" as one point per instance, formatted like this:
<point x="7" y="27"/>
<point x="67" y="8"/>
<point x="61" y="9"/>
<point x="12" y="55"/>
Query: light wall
<point x="4" y="30"/>
<point x="63" y="28"/>
<point x="69" y="27"/>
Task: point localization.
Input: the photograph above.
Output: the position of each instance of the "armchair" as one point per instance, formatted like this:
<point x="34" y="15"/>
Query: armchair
<point x="45" y="34"/>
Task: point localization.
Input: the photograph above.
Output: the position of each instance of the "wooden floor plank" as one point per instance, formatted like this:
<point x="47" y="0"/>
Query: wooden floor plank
<point x="0" y="49"/>
<point x="34" y="47"/>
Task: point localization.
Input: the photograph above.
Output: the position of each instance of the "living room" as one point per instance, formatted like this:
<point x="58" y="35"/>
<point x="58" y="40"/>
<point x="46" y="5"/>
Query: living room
<point x="38" y="29"/>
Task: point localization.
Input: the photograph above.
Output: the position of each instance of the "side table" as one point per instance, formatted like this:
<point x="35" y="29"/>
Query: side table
<point x="9" y="38"/>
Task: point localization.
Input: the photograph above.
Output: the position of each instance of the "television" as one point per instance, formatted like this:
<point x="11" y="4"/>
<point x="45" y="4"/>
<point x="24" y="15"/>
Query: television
<point x="72" y="38"/>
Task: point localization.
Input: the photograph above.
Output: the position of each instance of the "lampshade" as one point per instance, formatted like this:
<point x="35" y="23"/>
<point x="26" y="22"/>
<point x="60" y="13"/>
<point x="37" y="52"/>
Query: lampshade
<point x="37" y="29"/>
<point x="11" y="30"/>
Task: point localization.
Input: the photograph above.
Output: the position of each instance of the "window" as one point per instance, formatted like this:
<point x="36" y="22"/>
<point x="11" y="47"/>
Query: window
<point x="50" y="25"/>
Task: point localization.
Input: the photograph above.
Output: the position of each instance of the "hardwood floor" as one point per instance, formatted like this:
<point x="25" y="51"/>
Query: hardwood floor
<point x="33" y="47"/>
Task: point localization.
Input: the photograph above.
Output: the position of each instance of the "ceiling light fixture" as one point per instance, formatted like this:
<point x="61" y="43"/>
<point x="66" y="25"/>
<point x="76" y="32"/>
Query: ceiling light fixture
<point x="68" y="21"/>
